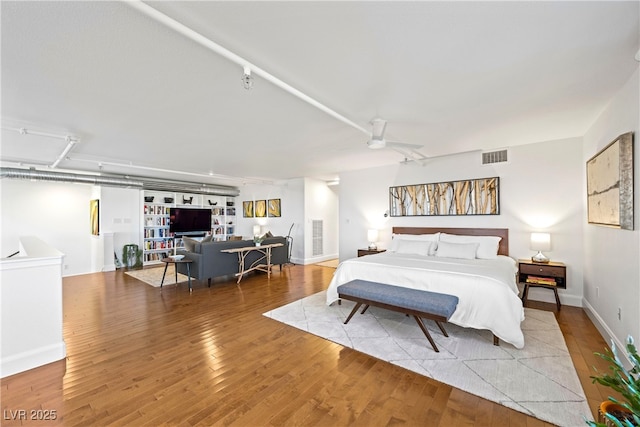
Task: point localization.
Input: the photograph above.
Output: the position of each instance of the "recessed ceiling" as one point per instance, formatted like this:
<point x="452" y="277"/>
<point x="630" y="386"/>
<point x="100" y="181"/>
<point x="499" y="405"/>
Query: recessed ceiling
<point x="451" y="76"/>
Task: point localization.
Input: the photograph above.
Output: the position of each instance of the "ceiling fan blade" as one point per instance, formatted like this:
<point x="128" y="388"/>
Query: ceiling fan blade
<point x="404" y="145"/>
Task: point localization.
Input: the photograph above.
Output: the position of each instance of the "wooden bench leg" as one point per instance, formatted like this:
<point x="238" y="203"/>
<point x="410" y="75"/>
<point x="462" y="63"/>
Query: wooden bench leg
<point x="365" y="308"/>
<point x="441" y="328"/>
<point x="427" y="334"/>
<point x="357" y="306"/>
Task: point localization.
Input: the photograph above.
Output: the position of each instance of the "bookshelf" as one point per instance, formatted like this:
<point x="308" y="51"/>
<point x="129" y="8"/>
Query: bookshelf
<point x="159" y="242"/>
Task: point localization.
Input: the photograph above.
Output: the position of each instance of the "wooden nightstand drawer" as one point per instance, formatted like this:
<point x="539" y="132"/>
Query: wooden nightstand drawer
<point x="543" y="270"/>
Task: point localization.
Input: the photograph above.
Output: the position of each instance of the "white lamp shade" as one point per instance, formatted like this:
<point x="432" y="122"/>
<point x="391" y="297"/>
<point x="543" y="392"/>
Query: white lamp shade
<point x="372" y="235"/>
<point x="540" y="241"/>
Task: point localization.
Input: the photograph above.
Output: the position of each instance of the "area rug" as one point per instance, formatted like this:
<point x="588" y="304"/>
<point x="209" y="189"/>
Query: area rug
<point x="153" y="276"/>
<point x="539" y="380"/>
<point x="333" y="263"/>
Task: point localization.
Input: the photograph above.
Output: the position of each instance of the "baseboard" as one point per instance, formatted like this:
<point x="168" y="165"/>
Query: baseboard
<point x="606" y="333"/>
<point x="24" y="361"/>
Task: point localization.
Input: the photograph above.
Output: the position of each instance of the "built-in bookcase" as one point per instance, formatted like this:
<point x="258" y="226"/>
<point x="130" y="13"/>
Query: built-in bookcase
<point x="159" y="242"/>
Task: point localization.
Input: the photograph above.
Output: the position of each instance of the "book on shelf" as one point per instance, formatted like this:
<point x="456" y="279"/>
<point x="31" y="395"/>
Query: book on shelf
<point x="541" y="280"/>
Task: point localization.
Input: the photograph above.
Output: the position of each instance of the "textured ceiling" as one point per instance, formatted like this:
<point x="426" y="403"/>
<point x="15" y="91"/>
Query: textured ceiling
<point x="451" y="76"/>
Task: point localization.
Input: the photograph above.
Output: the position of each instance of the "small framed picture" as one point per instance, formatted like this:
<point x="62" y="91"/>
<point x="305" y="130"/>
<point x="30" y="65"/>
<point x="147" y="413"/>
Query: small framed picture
<point x="247" y="209"/>
<point x="273" y="208"/>
<point x="94" y="216"/>
<point x="261" y="208"/>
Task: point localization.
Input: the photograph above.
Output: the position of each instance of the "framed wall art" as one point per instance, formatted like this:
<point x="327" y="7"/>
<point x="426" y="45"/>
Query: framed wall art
<point x="468" y="197"/>
<point x="94" y="216"/>
<point x="610" y="184"/>
<point x="273" y="208"/>
<point x="261" y="208"/>
<point x="247" y="209"/>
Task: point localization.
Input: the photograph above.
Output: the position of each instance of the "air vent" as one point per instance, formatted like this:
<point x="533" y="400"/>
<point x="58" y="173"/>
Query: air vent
<point x="316" y="237"/>
<point x="491" y="157"/>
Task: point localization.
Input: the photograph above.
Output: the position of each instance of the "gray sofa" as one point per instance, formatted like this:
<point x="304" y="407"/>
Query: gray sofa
<point x="209" y="262"/>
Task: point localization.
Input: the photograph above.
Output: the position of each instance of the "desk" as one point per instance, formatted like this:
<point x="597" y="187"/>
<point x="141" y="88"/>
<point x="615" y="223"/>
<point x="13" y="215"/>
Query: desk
<point x="168" y="261"/>
<point x="265" y="250"/>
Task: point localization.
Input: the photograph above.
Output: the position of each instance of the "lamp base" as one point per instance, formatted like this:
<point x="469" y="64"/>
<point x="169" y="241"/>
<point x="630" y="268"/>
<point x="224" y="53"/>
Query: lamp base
<point x="540" y="258"/>
<point x="373" y="247"/>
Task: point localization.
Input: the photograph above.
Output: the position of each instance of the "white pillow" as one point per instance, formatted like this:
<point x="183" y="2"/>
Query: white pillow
<point x="396" y="238"/>
<point x="457" y="250"/>
<point x="418" y="247"/>
<point x="487" y="245"/>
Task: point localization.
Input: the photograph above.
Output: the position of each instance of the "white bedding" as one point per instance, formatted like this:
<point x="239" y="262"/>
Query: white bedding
<point x="486" y="288"/>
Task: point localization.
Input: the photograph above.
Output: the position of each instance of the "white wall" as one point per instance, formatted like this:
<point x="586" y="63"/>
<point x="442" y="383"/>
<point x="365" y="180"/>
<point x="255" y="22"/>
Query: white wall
<point x="57" y="213"/>
<point x="320" y="203"/>
<point x="121" y="214"/>
<point x="291" y="195"/>
<point x="611" y="256"/>
<point x="301" y="200"/>
<point x="540" y="190"/>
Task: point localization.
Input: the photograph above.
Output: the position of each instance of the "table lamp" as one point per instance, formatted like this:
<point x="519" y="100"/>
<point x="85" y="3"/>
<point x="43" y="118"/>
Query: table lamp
<point x="372" y="236"/>
<point x="540" y="242"/>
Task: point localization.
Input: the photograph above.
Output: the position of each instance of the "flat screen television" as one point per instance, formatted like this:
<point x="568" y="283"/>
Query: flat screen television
<point x="189" y="220"/>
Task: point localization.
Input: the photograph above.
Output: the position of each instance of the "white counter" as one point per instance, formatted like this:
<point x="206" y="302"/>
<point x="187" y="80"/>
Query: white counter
<point x="31" y="307"/>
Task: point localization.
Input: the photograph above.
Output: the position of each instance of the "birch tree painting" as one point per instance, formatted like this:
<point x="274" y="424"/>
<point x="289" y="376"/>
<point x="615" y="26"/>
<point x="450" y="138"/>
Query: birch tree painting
<point x="469" y="197"/>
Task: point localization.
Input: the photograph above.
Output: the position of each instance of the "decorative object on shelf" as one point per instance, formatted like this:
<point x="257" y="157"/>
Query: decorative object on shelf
<point x="230" y="203"/>
<point x="168" y="199"/>
<point x="273" y="208"/>
<point x="186" y="201"/>
<point x="372" y="236"/>
<point x="468" y="197"/>
<point x="247" y="209"/>
<point x="261" y="208"/>
<point x="148" y="199"/>
<point x="610" y="184"/>
<point x="212" y="203"/>
<point x="540" y="242"/>
<point x="94" y="216"/>
<point x="132" y="256"/>
<point x="614" y="412"/>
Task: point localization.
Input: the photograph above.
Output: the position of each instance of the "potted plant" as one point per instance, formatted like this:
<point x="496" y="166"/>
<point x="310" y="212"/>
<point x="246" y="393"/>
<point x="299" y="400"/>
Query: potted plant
<point x="132" y="256"/>
<point x="257" y="239"/>
<point x="614" y="412"/>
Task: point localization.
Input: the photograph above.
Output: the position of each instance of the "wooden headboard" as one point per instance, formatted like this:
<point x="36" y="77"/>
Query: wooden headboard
<point x="503" y="248"/>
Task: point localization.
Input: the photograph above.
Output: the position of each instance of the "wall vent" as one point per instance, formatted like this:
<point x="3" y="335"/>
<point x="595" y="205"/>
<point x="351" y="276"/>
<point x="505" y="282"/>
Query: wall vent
<point x="491" y="157"/>
<point x="316" y="237"/>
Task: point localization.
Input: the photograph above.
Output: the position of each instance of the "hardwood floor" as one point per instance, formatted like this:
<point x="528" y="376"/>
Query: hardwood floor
<point x="138" y="355"/>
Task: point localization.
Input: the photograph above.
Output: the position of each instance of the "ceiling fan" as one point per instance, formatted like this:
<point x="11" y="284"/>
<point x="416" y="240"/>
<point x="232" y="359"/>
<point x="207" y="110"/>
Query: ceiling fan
<point x="378" y="141"/>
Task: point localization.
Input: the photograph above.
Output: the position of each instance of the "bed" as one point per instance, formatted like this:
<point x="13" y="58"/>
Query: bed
<point x="470" y="263"/>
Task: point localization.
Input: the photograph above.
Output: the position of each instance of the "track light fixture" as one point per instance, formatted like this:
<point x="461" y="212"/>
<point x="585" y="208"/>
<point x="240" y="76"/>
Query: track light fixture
<point x="247" y="80"/>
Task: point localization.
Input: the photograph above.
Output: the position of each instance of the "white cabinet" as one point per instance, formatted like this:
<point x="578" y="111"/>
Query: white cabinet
<point x="159" y="241"/>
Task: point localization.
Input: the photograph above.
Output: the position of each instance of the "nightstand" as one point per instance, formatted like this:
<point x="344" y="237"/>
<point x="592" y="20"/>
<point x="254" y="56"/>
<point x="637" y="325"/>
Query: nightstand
<point x="552" y="275"/>
<point x="363" y="252"/>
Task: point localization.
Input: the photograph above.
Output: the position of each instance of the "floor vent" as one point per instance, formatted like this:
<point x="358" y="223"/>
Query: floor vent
<point x="491" y="157"/>
<point x="316" y="236"/>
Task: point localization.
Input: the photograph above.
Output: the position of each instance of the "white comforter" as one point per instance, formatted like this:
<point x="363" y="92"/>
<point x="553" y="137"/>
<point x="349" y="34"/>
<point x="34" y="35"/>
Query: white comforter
<point x="486" y="289"/>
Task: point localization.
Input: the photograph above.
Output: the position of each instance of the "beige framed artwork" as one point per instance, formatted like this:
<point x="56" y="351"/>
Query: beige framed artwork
<point x="273" y="208"/>
<point x="247" y="209"/>
<point x="261" y="208"/>
<point x="610" y="184"/>
<point x="467" y="197"/>
<point x="94" y="216"/>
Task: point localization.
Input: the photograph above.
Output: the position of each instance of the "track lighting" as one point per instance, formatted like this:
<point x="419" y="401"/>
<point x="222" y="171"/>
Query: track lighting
<point x="247" y="80"/>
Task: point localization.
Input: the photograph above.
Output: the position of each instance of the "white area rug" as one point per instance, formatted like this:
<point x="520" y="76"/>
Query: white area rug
<point x="539" y="380"/>
<point x="153" y="276"/>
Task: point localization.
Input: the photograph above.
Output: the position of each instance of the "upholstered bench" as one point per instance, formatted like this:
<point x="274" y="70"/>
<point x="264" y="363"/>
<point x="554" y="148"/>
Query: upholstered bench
<point x="413" y="302"/>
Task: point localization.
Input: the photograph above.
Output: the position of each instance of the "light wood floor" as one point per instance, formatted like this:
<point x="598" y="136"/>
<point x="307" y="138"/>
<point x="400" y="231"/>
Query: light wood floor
<point x="138" y="355"/>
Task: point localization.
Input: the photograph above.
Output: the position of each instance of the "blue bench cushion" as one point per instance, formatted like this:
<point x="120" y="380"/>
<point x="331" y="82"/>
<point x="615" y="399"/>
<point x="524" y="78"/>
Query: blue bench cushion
<point x="412" y="299"/>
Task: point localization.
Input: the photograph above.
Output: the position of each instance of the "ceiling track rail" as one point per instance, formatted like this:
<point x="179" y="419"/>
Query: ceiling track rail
<point x="226" y="53"/>
<point x="117" y="181"/>
<point x="70" y="139"/>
